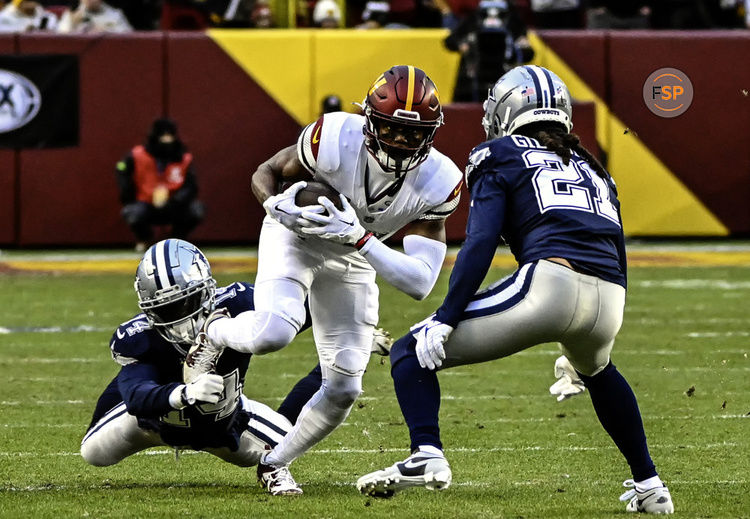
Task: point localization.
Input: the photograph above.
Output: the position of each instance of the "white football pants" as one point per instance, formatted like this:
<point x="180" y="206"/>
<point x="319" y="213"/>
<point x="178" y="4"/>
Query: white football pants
<point x="541" y="302"/>
<point x="117" y="435"/>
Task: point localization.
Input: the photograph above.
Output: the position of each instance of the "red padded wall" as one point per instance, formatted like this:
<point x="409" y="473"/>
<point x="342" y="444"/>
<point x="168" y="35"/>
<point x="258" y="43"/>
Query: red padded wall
<point x="707" y="146"/>
<point x="585" y="52"/>
<point x="232" y="125"/>
<point x="69" y="195"/>
<point x="7" y="172"/>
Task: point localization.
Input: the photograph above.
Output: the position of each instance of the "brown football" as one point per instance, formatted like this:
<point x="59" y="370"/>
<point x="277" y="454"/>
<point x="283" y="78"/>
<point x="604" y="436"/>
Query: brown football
<point x="309" y="195"/>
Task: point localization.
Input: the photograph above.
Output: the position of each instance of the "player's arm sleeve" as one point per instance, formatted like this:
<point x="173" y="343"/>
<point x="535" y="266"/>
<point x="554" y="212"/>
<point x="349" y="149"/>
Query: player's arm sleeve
<point x="143" y="396"/>
<point x="125" y="184"/>
<point x="475" y="257"/>
<point x="413" y="271"/>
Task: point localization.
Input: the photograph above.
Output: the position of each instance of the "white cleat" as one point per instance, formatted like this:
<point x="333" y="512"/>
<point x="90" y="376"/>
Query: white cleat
<point x="652" y="501"/>
<point x="278" y="481"/>
<point x="203" y="356"/>
<point x="418" y="470"/>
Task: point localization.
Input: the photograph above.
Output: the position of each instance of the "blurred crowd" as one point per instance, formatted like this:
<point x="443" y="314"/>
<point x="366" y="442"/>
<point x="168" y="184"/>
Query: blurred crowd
<point x="513" y="16"/>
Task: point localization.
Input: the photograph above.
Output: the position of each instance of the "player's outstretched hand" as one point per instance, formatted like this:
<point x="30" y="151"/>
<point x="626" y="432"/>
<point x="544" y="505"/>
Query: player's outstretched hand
<point x="430" y="341"/>
<point x="283" y="208"/>
<point x="568" y="383"/>
<point x="340" y="226"/>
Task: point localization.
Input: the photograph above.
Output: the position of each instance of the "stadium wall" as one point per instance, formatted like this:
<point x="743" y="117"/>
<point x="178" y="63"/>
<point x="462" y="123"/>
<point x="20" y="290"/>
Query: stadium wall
<point x="239" y="96"/>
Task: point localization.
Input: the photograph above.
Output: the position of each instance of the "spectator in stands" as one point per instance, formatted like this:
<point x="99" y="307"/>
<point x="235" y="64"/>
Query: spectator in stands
<point x="93" y="16"/>
<point x="453" y="11"/>
<point x="26" y="16"/>
<point x="262" y="16"/>
<point x="558" y="14"/>
<point x="680" y="14"/>
<point x="143" y="15"/>
<point x="624" y="14"/>
<point x="331" y="103"/>
<point x="158" y="185"/>
<point x="377" y="15"/>
<point x="491" y="41"/>
<point x="327" y="14"/>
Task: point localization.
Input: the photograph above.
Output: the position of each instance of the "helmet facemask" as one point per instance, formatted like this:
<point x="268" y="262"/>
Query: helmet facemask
<point x="400" y="142"/>
<point x="177" y="314"/>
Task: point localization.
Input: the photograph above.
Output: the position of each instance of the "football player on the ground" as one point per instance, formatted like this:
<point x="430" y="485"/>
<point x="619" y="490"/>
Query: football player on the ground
<point x="533" y="185"/>
<point x="389" y="176"/>
<point x="148" y="405"/>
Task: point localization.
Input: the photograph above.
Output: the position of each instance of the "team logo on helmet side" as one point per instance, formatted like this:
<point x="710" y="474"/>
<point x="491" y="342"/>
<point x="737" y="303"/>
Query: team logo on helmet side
<point x="402" y="113"/>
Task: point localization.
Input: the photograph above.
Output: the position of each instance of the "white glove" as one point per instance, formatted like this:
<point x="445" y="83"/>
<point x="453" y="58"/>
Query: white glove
<point x="568" y="382"/>
<point x="206" y="388"/>
<point x="338" y="226"/>
<point x="283" y="208"/>
<point x="430" y="341"/>
<point x="382" y="341"/>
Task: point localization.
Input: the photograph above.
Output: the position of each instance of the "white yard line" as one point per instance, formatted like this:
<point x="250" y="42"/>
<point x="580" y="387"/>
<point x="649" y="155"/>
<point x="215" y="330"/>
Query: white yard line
<point x="461" y="450"/>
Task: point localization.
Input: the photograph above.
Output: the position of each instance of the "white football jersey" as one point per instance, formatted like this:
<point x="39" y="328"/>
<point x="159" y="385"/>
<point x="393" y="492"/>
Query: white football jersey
<point x="333" y="150"/>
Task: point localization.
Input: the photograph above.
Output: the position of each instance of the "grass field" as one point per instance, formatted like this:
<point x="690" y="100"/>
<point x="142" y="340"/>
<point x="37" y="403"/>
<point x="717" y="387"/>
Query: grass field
<point x="515" y="451"/>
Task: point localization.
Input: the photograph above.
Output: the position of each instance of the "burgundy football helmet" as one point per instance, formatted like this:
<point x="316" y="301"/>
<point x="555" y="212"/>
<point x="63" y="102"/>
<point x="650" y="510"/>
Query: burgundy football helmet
<point x="402" y="113"/>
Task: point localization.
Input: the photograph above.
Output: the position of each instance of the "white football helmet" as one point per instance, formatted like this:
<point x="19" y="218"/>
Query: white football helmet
<point x="524" y="95"/>
<point x="175" y="289"/>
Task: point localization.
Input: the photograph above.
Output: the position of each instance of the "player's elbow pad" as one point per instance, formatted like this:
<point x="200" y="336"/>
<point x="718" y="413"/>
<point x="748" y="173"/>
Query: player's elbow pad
<point x="415" y="271"/>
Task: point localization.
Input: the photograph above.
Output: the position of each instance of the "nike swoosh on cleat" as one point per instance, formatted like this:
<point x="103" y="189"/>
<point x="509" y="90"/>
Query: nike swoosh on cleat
<point x="413" y="467"/>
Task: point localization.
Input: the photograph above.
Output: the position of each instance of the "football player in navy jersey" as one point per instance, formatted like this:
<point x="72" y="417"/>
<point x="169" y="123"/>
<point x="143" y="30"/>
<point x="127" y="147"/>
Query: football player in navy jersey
<point x="534" y="186"/>
<point x="148" y="405"/>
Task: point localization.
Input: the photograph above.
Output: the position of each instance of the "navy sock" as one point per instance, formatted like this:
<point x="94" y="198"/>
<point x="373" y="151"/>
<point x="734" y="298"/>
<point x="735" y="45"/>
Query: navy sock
<point x="418" y="393"/>
<point x="302" y="391"/>
<point x="617" y="409"/>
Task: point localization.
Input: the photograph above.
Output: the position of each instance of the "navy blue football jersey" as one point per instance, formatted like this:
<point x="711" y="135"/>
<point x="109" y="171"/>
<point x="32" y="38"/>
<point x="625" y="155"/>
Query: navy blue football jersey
<point x="152" y="369"/>
<point x="524" y="195"/>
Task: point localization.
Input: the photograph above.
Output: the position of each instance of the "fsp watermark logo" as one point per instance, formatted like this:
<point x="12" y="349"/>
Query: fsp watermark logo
<point x="668" y="92"/>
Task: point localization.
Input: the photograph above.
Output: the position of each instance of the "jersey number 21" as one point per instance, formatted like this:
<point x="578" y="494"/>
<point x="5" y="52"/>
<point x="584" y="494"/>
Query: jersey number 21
<point x="560" y="186"/>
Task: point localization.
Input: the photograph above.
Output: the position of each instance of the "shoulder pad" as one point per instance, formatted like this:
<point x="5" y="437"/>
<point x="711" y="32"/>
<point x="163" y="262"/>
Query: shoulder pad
<point x="237" y="297"/>
<point x="439" y="180"/>
<point x="130" y="342"/>
<point x="322" y="143"/>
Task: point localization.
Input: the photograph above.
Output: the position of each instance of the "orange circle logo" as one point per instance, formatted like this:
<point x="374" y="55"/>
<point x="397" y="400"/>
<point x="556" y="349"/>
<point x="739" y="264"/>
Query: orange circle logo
<point x="668" y="92"/>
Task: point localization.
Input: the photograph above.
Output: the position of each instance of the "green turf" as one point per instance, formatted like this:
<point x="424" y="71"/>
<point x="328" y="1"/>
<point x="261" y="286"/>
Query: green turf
<point x="515" y="452"/>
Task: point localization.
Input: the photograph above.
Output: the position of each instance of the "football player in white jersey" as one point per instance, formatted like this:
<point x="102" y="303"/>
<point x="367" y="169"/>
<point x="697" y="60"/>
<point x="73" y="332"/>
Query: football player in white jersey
<point x="390" y="176"/>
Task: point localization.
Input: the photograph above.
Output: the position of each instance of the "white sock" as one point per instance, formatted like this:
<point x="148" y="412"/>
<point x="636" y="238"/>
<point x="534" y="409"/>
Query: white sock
<point x="316" y="421"/>
<point x="431" y="449"/>
<point x="648" y="484"/>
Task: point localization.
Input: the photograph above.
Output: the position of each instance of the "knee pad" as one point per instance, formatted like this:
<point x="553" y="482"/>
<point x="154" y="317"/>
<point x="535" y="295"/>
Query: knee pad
<point x="95" y="456"/>
<point x="343" y="383"/>
<point x="402" y="348"/>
